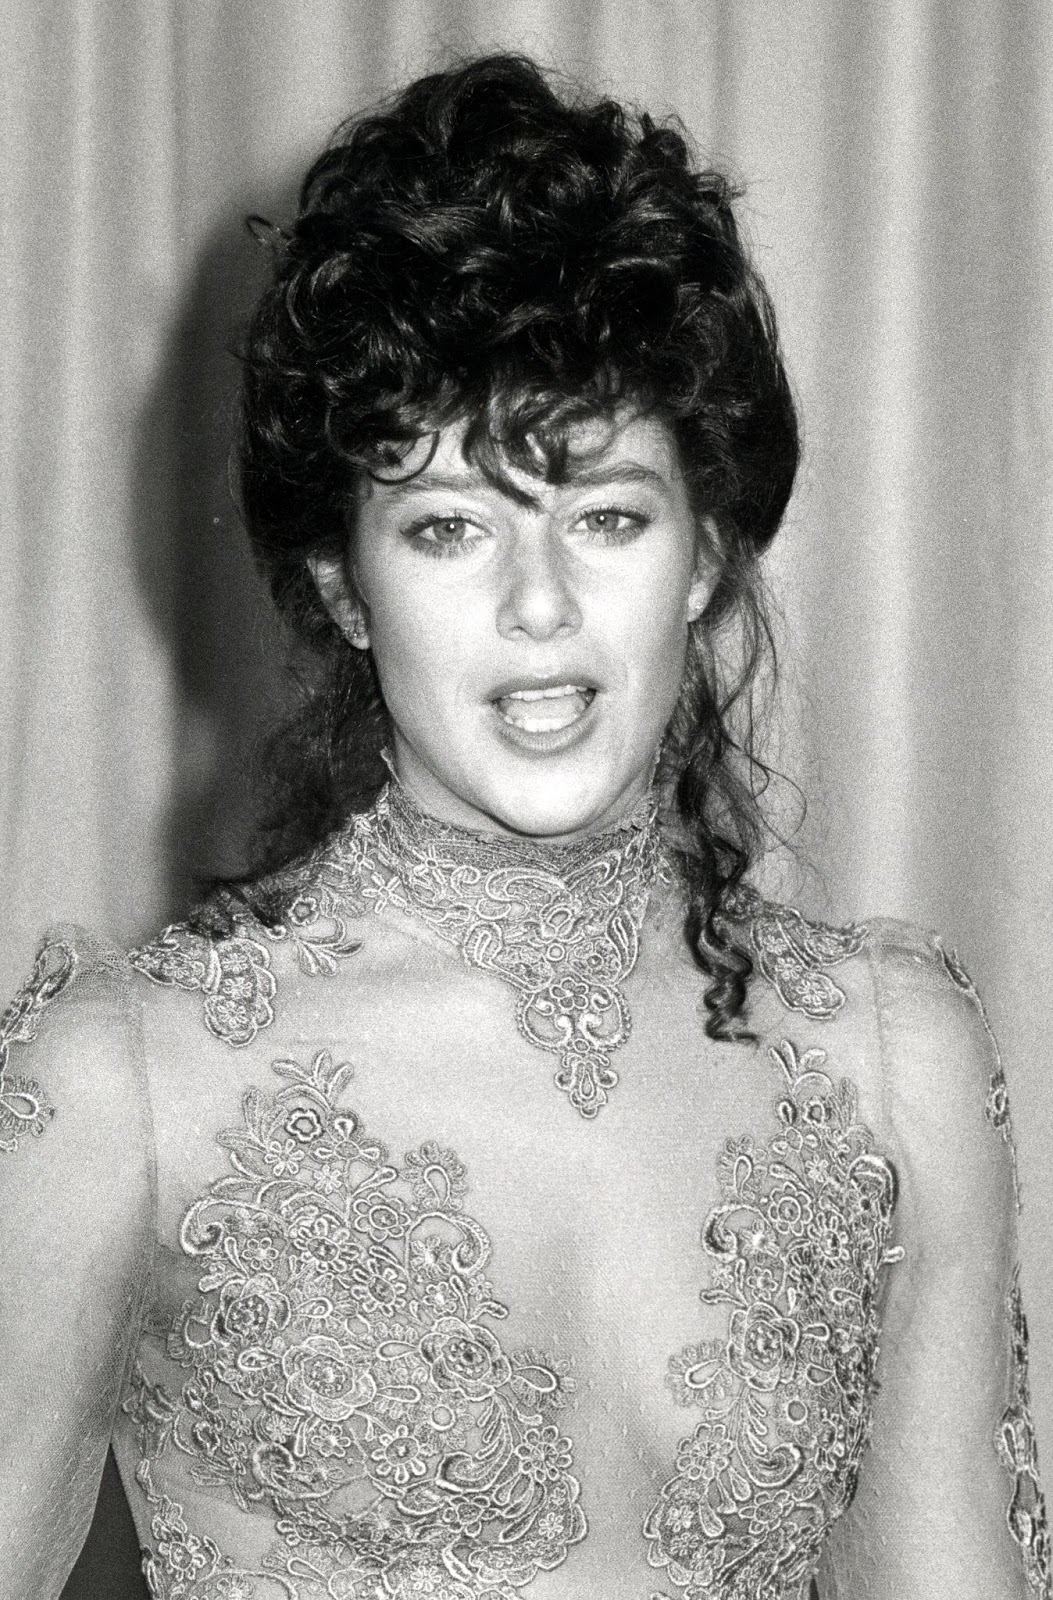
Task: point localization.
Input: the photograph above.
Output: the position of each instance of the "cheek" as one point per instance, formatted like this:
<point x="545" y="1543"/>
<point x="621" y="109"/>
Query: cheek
<point x="654" y="635"/>
<point x="422" y="645"/>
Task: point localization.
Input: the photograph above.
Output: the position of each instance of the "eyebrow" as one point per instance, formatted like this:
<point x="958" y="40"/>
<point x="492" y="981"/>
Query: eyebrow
<point x="587" y="477"/>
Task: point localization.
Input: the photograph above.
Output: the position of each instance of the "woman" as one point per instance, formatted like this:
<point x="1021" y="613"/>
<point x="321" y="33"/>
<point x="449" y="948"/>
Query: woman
<point x="497" y="1195"/>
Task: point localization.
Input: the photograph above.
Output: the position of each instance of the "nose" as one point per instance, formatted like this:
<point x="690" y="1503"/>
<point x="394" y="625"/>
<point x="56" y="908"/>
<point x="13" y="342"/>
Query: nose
<point x="537" y="597"/>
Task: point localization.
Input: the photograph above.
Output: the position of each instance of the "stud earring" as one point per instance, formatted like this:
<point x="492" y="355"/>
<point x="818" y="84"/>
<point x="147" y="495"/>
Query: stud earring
<point x="359" y="634"/>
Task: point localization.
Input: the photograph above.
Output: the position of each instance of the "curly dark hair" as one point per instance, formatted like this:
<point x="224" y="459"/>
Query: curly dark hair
<point x="482" y="248"/>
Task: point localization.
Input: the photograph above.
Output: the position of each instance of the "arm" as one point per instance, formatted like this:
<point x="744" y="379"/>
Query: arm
<point x="75" y="1240"/>
<point x="932" y="1515"/>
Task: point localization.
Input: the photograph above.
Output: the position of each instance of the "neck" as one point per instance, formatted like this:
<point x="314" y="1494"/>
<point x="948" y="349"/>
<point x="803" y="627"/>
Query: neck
<point x="412" y="817"/>
<point x="558" y="921"/>
<point x="442" y="805"/>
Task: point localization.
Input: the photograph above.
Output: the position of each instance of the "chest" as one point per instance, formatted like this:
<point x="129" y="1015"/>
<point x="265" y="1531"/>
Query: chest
<point x="410" y="1156"/>
<point x="412" y="1295"/>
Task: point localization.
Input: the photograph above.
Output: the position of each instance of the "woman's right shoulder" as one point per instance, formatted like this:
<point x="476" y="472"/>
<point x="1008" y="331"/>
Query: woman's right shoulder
<point x="69" y="1043"/>
<point x="77" y="1170"/>
<point x="77" y="1242"/>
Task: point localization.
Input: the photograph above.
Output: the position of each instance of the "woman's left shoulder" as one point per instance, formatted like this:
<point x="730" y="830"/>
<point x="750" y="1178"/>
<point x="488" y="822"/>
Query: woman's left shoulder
<point x="891" y="994"/>
<point x="942" y="1081"/>
<point x="832" y="972"/>
<point x="930" y="1016"/>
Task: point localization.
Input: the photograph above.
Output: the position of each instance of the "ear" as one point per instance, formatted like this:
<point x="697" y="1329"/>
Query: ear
<point x="345" y="607"/>
<point x="698" y="595"/>
<point x="707" y="570"/>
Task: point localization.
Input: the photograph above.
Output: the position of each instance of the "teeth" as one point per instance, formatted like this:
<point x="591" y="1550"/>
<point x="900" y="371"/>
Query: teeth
<point x="527" y="708"/>
<point x="545" y="694"/>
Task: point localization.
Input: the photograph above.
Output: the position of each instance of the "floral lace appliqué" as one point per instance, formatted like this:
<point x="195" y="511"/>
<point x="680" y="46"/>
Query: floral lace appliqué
<point x="792" y="952"/>
<point x="560" y="925"/>
<point x="799" y="1238"/>
<point x="24" y="1105"/>
<point x="1015" y="1438"/>
<point x="233" y="971"/>
<point x="1018" y="1450"/>
<point x="344" y="1371"/>
<point x="996" y="1109"/>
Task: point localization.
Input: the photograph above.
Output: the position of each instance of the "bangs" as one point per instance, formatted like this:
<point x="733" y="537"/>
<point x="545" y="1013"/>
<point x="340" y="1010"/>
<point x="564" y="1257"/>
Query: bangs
<point x="535" y="430"/>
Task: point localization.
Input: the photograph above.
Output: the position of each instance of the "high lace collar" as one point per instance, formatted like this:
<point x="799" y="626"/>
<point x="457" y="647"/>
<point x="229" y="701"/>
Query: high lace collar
<point x="559" y="923"/>
<point x="410" y="830"/>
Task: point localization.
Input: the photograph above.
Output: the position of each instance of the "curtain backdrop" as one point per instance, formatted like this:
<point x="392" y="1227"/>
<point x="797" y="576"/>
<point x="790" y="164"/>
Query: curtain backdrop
<point x="897" y="157"/>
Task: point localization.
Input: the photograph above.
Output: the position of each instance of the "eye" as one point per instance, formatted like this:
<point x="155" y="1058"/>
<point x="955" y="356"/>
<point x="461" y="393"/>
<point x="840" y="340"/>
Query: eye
<point x="440" y="536"/>
<point x="612" y="523"/>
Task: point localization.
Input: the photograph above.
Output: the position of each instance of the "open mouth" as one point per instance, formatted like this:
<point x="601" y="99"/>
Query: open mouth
<point x="545" y="710"/>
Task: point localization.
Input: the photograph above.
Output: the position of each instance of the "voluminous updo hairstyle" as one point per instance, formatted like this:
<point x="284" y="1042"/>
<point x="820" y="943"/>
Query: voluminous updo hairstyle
<point x="482" y="247"/>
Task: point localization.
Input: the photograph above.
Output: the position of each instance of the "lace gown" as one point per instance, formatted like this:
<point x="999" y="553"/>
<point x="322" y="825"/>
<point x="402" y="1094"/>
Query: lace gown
<point x="420" y="1243"/>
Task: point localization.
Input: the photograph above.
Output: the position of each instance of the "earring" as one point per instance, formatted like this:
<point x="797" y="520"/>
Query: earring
<point x="359" y="635"/>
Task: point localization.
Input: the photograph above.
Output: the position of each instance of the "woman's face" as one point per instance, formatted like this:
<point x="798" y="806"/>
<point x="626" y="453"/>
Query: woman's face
<point x="530" y="655"/>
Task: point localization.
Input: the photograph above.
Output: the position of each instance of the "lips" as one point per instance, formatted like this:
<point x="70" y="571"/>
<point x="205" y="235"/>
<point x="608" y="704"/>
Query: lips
<point x="545" y="709"/>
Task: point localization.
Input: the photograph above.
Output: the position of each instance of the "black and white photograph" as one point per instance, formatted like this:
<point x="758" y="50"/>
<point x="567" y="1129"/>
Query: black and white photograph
<point x="526" y="785"/>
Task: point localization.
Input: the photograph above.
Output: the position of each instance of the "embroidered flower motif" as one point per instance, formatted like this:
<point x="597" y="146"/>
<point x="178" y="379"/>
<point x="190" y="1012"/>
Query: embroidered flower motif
<point x="256" y="1238"/>
<point x="401" y="1455"/>
<point x="544" y="1454"/>
<point x="330" y="1438"/>
<point x="789" y="1210"/>
<point x="327" y="1177"/>
<point x="762" y="1346"/>
<point x="698" y="1375"/>
<point x="831" y="1236"/>
<point x="343" y="1345"/>
<point x="232" y="1586"/>
<point x="186" y="1557"/>
<point x="24" y="1105"/>
<point x="381" y="1216"/>
<point x="799" y="1240"/>
<point x="464" y="1359"/>
<point x="431" y="1258"/>
<point x="325" y="1380"/>
<point x="24" y="1108"/>
<point x="320" y="1236"/>
<point x="706" y="1454"/>
<point x="304" y="1125"/>
<point x="249" y="1310"/>
<point x="831" y="1443"/>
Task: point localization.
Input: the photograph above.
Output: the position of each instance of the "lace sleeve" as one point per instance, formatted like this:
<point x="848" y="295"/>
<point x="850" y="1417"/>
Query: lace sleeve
<point x="949" y="1502"/>
<point x="75" y="1241"/>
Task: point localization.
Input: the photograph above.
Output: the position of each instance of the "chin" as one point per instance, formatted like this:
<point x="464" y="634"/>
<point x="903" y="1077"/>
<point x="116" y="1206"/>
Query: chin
<point x="553" y="796"/>
<point x="551" y="807"/>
